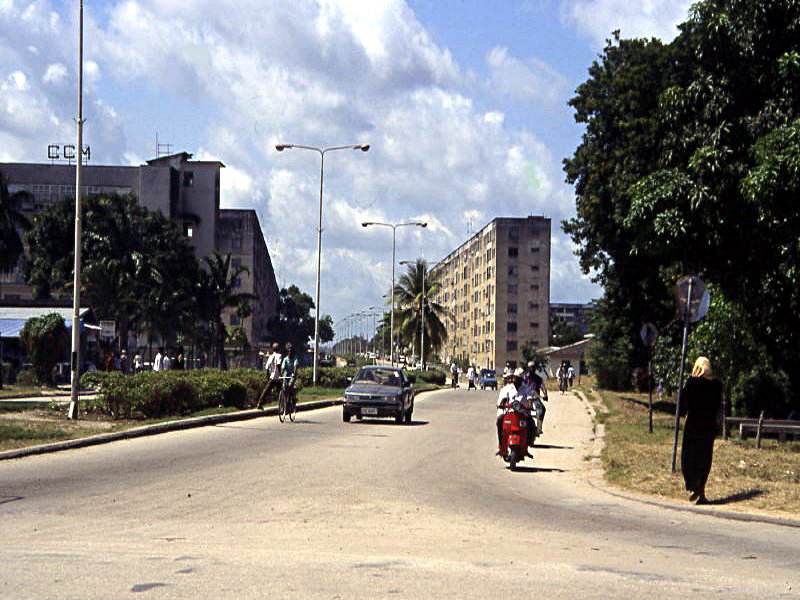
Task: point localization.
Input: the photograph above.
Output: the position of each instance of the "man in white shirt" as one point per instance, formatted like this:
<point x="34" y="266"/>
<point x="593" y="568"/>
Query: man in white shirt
<point x="471" y="378"/>
<point x="273" y="368"/>
<point x="508" y="393"/>
<point x="158" y="361"/>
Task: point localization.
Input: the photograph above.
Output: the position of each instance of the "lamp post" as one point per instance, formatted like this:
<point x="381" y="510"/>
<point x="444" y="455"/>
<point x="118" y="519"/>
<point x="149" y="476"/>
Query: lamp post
<point x="394" y="227"/>
<point x="321" y="151"/>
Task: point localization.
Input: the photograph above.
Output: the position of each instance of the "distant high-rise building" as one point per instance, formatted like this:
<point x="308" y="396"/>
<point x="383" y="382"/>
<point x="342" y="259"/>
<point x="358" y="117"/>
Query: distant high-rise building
<point x="496" y="287"/>
<point x="572" y="314"/>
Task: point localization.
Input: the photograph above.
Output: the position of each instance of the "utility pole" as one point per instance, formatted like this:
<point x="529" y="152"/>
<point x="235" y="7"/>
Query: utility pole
<point x="75" y="380"/>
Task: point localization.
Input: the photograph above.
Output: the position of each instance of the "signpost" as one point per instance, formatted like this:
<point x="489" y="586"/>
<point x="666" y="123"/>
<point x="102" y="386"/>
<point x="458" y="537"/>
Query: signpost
<point x="693" y="300"/>
<point x="649" y="335"/>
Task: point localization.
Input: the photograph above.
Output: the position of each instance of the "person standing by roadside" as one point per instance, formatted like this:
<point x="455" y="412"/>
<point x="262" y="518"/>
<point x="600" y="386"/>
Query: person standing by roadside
<point x="273" y="368"/>
<point x="471" y="378"/>
<point x="158" y="361"/>
<point x="570" y="375"/>
<point x="562" y="377"/>
<point x="123" y="362"/>
<point x="700" y="402"/>
<point x="137" y="363"/>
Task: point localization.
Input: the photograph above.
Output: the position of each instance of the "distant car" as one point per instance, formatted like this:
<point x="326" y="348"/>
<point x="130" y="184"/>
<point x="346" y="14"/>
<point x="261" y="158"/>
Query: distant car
<point x="378" y="391"/>
<point x="488" y="379"/>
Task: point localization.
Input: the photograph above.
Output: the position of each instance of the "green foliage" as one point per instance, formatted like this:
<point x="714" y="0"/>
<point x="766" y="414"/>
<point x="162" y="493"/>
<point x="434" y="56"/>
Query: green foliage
<point x="408" y="293"/>
<point x="327" y="377"/>
<point x="690" y="163"/>
<point x="436" y="377"/>
<point x="45" y="341"/>
<point x="530" y="354"/>
<point x="11" y="218"/>
<point x="158" y="394"/>
<point x="138" y="269"/>
<point x="27" y="377"/>
<point x="294" y="322"/>
<point x="762" y="389"/>
<point x="563" y="333"/>
<point x="610" y="365"/>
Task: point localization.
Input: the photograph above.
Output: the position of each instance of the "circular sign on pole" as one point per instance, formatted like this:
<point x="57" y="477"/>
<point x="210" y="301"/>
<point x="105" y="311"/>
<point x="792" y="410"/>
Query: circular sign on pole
<point x="649" y="333"/>
<point x="697" y="305"/>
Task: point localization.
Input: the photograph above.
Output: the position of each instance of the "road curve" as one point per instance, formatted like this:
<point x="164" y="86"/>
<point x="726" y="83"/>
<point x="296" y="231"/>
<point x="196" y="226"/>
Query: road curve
<point x="324" y="509"/>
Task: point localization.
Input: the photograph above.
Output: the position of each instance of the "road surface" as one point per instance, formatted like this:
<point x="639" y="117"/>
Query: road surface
<point x="324" y="509"/>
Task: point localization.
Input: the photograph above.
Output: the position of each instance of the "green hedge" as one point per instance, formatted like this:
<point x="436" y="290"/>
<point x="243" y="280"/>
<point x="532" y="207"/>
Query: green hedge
<point x="151" y="395"/>
<point x="436" y="377"/>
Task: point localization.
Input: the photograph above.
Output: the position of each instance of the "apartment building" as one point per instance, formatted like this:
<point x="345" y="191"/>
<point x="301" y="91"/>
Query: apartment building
<point x="572" y="313"/>
<point x="497" y="288"/>
<point x="239" y="233"/>
<point x="185" y="190"/>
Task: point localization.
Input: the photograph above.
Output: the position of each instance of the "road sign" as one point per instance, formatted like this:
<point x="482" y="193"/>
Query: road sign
<point x="649" y="334"/>
<point x="700" y="298"/>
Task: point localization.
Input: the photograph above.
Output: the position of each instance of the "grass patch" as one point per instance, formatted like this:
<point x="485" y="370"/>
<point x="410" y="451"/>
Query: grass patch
<point x="308" y="394"/>
<point x="742" y="477"/>
<point x="20" y="391"/>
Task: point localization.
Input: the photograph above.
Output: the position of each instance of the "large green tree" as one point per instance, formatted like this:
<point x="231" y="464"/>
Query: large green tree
<point x="11" y="222"/>
<point x="294" y="322"/>
<point x="137" y="268"/>
<point x="711" y="189"/>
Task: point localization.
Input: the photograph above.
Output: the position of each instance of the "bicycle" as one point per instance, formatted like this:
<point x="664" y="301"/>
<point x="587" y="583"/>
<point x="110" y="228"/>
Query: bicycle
<point x="287" y="400"/>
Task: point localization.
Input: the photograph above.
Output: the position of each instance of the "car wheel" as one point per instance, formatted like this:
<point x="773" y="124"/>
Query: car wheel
<point x="359" y="417"/>
<point x="409" y="412"/>
<point x="398" y="418"/>
<point x="346" y="416"/>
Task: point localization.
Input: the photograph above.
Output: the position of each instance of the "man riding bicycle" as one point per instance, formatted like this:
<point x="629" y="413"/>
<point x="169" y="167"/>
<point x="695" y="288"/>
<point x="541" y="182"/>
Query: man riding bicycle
<point x="289" y="368"/>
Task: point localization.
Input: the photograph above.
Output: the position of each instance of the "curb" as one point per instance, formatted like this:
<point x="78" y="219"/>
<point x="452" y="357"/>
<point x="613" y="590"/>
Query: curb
<point x="104" y="438"/>
<point x="598" y="483"/>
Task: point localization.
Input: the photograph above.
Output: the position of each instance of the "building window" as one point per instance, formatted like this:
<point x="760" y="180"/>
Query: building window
<point x="236" y="243"/>
<point x="512" y="288"/>
<point x="236" y="263"/>
<point x="511" y="346"/>
<point x="533" y="306"/>
<point x="513" y="233"/>
<point x="512" y="309"/>
<point x="534" y="249"/>
<point x="188" y="229"/>
<point x="513" y="270"/>
<point x="188" y="178"/>
<point x="235" y="320"/>
<point x="534" y="267"/>
<point x="534" y="325"/>
<point x="513" y="252"/>
<point x="511" y="327"/>
<point x="238" y="283"/>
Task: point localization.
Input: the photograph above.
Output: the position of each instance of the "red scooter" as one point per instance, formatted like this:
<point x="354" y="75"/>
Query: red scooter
<point x="514" y="433"/>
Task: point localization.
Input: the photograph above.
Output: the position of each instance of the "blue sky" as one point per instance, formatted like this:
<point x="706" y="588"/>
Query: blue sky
<point x="463" y="102"/>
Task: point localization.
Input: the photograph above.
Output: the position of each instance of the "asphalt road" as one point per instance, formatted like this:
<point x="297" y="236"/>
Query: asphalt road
<point x="324" y="509"/>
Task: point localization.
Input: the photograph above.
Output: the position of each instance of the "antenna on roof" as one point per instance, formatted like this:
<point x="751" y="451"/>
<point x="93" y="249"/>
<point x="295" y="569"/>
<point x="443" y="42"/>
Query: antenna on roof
<point x="469" y="225"/>
<point x="162" y="149"/>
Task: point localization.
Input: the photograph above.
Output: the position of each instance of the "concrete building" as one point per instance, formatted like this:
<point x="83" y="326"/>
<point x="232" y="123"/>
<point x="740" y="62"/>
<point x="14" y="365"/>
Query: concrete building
<point x="185" y="190"/>
<point x="572" y="314"/>
<point x="239" y="233"/>
<point x="497" y="288"/>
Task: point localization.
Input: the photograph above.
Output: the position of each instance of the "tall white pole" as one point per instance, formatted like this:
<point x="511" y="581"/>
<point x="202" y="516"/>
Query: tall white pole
<point x="391" y="327"/>
<point x="76" y="283"/>
<point x="422" y="310"/>
<point x="319" y="264"/>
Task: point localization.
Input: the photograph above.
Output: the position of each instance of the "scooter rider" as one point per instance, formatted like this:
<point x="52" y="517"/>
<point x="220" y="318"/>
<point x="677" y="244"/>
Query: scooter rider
<point x="513" y="389"/>
<point x="535" y="389"/>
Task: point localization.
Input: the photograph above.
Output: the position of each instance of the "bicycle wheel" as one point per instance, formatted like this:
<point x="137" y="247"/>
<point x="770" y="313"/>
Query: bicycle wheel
<point x="292" y="406"/>
<point x="282" y="405"/>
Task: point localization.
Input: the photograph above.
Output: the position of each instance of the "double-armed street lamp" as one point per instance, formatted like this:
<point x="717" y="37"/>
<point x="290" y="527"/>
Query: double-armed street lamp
<point x="322" y="152"/>
<point x="394" y="227"/>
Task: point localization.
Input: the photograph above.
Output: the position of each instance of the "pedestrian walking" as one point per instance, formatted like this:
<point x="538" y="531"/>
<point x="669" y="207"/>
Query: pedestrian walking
<point x="570" y="375"/>
<point x="137" y="363"/>
<point x="471" y="378"/>
<point x="123" y="362"/>
<point x="700" y="402"/>
<point x="158" y="361"/>
<point x="273" y="368"/>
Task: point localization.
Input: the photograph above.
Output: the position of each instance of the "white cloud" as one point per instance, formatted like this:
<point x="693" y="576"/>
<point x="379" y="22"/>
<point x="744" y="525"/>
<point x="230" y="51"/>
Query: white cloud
<point x="55" y="73"/>
<point x="596" y="19"/>
<point x="526" y="82"/>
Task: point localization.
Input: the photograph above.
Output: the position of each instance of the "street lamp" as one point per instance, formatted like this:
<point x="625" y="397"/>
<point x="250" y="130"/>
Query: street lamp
<point x="321" y="151"/>
<point x="394" y="227"/>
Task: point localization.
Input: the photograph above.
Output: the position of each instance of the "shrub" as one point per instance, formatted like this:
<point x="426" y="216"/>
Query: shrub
<point x="329" y="377"/>
<point x="27" y="377"/>
<point x="436" y="377"/>
<point x="762" y="389"/>
<point x="45" y="341"/>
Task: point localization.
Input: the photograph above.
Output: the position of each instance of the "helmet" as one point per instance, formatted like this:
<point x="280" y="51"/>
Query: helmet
<point x="531" y="364"/>
<point x="519" y="372"/>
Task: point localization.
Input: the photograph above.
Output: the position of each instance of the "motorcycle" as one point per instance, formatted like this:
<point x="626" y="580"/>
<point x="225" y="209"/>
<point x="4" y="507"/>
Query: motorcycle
<point x="517" y="420"/>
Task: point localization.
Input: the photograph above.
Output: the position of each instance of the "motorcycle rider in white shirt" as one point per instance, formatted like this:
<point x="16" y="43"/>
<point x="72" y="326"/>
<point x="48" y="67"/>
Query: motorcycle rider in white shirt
<point x="508" y="393"/>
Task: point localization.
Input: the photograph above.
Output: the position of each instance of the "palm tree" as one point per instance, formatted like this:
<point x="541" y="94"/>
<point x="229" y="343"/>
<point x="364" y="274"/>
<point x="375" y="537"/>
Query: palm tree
<point x="409" y="297"/>
<point x="218" y="291"/>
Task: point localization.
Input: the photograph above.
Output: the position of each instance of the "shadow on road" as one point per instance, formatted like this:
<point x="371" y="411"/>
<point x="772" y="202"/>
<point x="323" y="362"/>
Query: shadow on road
<point x="664" y="406"/>
<point x="737" y="497"/>
<point x="552" y="447"/>
<point x="385" y="422"/>
<point x="522" y="469"/>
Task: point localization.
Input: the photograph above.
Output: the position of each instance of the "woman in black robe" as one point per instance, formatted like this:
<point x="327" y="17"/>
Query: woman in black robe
<point x="700" y="402"/>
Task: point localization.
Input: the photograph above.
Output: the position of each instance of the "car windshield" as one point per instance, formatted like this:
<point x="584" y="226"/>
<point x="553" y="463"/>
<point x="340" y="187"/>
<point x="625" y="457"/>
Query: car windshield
<point x="487" y="373"/>
<point x="379" y="377"/>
